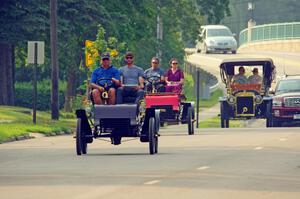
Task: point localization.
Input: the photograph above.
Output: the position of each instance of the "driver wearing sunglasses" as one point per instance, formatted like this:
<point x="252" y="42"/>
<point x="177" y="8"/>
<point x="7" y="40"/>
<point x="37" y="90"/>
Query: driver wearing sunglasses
<point x="105" y="78"/>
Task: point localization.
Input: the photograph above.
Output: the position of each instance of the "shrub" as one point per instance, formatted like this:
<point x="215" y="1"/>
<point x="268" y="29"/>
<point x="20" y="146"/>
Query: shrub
<point x="24" y="94"/>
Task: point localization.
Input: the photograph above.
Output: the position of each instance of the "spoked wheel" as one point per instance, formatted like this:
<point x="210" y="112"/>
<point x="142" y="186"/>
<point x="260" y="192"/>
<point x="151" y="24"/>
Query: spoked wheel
<point x="153" y="140"/>
<point x="81" y="145"/>
<point x="190" y="122"/>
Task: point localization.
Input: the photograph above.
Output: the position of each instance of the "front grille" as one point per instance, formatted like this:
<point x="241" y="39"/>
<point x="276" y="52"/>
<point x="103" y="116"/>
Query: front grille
<point x="245" y="105"/>
<point x="166" y="111"/>
<point x="292" y="102"/>
<point x="290" y="112"/>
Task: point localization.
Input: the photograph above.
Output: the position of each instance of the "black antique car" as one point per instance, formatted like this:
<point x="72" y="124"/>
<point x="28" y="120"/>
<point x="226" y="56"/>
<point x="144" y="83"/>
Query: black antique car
<point x="116" y="122"/>
<point x="246" y="100"/>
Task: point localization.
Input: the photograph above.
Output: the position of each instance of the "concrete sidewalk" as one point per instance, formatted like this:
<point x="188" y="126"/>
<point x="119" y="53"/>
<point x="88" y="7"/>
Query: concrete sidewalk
<point x="207" y="113"/>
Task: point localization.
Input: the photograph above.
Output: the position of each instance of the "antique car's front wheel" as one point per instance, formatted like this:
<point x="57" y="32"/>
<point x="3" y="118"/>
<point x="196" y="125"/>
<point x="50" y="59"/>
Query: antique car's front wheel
<point x="223" y="119"/>
<point x="190" y="121"/>
<point x="81" y="145"/>
<point x="153" y="140"/>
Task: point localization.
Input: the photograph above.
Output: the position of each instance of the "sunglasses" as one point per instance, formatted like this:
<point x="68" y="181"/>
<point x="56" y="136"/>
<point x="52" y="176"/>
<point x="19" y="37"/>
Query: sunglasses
<point x="154" y="62"/>
<point x="129" y="57"/>
<point x="175" y="63"/>
<point x="105" y="59"/>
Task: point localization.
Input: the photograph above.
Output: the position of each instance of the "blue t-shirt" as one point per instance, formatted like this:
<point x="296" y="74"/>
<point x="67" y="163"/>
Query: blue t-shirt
<point x="99" y="73"/>
<point x="131" y="74"/>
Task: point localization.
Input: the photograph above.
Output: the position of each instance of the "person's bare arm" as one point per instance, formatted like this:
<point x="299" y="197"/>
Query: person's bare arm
<point x="141" y="82"/>
<point x="181" y="81"/>
<point x="95" y="86"/>
<point x="116" y="82"/>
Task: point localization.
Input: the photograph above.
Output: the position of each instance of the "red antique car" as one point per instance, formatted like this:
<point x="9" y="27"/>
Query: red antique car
<point x="172" y="109"/>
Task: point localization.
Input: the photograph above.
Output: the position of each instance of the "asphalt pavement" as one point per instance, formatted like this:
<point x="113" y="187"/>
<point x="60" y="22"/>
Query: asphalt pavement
<point x="213" y="163"/>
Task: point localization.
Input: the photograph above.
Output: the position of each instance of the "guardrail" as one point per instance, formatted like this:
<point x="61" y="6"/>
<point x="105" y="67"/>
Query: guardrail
<point x="206" y="79"/>
<point x="268" y="32"/>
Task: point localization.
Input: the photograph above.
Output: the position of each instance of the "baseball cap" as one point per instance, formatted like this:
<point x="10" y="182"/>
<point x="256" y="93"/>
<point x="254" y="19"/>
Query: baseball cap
<point x="105" y="56"/>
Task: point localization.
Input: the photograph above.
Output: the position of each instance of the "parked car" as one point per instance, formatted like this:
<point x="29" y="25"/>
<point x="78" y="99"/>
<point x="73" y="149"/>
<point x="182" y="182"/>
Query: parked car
<point x="216" y="38"/>
<point x="286" y="101"/>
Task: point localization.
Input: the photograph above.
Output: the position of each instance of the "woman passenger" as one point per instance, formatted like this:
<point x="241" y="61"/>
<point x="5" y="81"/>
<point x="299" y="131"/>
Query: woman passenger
<point x="174" y="78"/>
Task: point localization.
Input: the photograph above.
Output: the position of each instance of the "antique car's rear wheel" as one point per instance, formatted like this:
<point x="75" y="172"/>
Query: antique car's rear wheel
<point x="190" y="121"/>
<point x="81" y="145"/>
<point x="153" y="140"/>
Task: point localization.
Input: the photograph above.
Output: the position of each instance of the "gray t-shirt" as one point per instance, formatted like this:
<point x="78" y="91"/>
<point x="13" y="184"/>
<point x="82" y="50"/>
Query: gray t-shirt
<point x="150" y="72"/>
<point x="130" y="75"/>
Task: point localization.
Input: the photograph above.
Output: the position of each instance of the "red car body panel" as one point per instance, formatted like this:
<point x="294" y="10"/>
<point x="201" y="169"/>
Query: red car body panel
<point x="161" y="100"/>
<point x="287" y="112"/>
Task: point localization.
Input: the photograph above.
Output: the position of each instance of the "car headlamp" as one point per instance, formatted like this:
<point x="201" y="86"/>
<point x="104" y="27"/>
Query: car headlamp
<point x="211" y="42"/>
<point x="277" y="101"/>
<point x="258" y="99"/>
<point x="231" y="99"/>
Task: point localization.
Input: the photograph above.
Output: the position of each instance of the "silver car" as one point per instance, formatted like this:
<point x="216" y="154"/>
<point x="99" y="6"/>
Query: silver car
<point x="216" y="38"/>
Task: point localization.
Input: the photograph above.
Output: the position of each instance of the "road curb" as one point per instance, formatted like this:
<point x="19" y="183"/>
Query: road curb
<point x="28" y="136"/>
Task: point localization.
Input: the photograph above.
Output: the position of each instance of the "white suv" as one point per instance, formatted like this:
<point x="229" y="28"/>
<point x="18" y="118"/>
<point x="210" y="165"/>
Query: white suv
<point x="216" y="38"/>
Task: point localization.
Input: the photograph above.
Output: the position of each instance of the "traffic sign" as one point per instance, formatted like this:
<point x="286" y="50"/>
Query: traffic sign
<point x="40" y="52"/>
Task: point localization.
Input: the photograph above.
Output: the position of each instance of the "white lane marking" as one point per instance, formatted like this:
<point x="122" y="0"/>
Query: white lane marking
<point x="258" y="148"/>
<point x="152" y="182"/>
<point x="282" y="139"/>
<point x="203" y="168"/>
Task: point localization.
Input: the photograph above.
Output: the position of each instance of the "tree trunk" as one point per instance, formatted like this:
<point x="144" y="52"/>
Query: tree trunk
<point x="6" y="74"/>
<point x="70" y="91"/>
<point x="54" y="60"/>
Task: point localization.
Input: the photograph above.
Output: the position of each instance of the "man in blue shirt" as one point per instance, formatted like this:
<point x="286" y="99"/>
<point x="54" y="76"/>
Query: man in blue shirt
<point x="105" y="78"/>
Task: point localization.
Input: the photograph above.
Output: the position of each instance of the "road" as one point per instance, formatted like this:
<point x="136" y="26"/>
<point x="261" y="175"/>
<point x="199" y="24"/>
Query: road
<point x="286" y="63"/>
<point x="212" y="164"/>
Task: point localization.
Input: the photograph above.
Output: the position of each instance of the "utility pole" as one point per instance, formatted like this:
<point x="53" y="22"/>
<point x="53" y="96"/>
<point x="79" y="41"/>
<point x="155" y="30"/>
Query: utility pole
<point x="159" y="33"/>
<point x="54" y="60"/>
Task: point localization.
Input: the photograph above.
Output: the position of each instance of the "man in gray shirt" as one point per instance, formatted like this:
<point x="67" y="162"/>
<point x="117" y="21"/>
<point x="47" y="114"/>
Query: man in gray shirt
<point x="132" y="82"/>
<point x="154" y="76"/>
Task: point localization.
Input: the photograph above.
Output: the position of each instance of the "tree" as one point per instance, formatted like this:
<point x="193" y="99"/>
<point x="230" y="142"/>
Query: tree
<point x="20" y="20"/>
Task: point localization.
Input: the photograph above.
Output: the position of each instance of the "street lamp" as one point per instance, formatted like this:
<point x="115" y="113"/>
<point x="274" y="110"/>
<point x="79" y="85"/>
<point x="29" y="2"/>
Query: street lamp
<point x="251" y="7"/>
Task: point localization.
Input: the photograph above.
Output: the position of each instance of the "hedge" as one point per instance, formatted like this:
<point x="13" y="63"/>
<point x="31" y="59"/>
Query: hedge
<point x="24" y="94"/>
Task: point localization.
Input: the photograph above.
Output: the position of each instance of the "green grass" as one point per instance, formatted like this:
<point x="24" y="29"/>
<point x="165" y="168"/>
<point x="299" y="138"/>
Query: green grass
<point x="215" y="123"/>
<point x="189" y="90"/>
<point x="17" y="121"/>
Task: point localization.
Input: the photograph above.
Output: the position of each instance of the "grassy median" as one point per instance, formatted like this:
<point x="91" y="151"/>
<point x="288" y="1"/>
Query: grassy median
<point x="215" y="123"/>
<point x="17" y="121"/>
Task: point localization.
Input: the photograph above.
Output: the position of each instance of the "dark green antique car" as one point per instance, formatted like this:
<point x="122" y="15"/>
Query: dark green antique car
<point x="246" y="100"/>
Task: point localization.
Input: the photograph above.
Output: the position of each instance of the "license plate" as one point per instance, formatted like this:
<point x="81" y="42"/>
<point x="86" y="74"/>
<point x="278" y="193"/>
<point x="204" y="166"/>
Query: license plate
<point x="296" y="116"/>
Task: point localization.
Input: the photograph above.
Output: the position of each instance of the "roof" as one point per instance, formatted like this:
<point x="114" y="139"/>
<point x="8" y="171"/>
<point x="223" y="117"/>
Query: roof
<point x="247" y="61"/>
<point x="214" y="27"/>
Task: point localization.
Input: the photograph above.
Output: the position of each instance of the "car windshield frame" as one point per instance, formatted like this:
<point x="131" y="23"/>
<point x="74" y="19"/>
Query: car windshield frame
<point x="218" y="32"/>
<point x="289" y="88"/>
